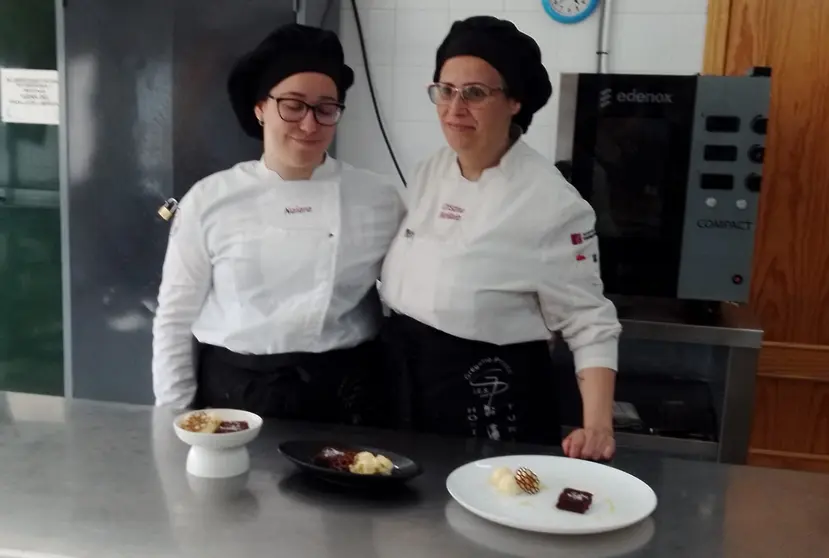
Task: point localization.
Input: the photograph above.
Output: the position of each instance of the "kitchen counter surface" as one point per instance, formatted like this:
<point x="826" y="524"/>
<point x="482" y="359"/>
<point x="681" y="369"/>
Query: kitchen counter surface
<point x="94" y="480"/>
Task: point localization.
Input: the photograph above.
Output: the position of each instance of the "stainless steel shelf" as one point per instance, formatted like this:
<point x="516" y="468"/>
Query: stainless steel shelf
<point x="735" y="325"/>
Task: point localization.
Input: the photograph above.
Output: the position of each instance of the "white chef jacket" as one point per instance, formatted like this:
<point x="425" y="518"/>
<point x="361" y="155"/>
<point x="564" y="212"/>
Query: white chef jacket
<point x="261" y="265"/>
<point x="506" y="259"/>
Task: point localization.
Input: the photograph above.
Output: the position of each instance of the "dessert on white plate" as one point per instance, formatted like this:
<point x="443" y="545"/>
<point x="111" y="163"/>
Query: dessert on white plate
<point x="551" y="494"/>
<point x="218" y="440"/>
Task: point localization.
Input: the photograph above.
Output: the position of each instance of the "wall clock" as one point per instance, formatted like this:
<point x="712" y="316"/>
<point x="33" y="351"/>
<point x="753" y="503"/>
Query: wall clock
<point x="570" y="11"/>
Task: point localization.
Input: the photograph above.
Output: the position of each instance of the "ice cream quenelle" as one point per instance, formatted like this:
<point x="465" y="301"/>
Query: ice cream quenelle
<point x="366" y="463"/>
<point x="503" y="479"/>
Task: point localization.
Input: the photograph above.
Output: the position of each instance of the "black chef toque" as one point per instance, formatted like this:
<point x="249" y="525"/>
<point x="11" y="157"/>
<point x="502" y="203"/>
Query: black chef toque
<point x="514" y="54"/>
<point x="291" y="49"/>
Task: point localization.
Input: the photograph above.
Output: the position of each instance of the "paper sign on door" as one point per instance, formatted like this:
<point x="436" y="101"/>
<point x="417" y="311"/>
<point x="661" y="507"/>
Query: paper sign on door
<point x="29" y="96"/>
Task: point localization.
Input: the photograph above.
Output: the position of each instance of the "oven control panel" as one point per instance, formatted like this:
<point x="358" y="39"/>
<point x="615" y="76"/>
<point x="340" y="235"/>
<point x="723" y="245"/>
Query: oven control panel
<point x="725" y="177"/>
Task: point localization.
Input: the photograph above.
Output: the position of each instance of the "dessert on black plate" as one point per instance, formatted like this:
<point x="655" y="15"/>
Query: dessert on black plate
<point x="576" y="501"/>
<point x="359" y="463"/>
<point x="351" y="465"/>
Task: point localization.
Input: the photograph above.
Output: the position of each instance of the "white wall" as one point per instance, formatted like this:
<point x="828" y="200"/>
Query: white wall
<point x="646" y="36"/>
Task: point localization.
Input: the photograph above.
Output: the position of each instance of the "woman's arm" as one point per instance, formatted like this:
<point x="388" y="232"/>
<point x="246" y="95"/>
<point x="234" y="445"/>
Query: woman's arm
<point x="573" y="302"/>
<point x="186" y="280"/>
<point x="597" y="386"/>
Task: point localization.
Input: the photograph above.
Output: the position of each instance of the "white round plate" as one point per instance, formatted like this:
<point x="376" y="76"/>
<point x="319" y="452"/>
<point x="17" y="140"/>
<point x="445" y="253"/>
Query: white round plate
<point x="619" y="499"/>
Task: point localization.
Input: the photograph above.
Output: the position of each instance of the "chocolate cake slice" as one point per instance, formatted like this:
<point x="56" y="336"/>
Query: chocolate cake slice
<point x="336" y="459"/>
<point x="227" y="426"/>
<point x="576" y="501"/>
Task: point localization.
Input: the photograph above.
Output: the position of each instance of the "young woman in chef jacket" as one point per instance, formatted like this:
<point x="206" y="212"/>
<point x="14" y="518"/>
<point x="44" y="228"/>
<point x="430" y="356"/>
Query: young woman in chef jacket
<point x="497" y="251"/>
<point x="272" y="264"/>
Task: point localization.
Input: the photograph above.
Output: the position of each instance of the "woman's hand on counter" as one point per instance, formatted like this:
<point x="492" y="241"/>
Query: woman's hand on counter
<point x="590" y="443"/>
<point x="595" y="441"/>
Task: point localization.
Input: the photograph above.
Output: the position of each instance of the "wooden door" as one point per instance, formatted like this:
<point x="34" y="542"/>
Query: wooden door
<point x="790" y="283"/>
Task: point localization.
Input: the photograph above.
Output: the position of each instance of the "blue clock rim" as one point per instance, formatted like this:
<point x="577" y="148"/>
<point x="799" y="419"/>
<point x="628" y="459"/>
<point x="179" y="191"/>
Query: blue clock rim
<point x="591" y="7"/>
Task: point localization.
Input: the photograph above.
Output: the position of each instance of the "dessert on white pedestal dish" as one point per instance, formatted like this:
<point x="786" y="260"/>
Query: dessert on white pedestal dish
<point x="218" y="440"/>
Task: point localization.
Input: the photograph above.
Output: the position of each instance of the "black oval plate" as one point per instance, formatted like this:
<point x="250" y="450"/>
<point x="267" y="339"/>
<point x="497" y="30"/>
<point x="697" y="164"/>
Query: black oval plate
<point x="302" y="452"/>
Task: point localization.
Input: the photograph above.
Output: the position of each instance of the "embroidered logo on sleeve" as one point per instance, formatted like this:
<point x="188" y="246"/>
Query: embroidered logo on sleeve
<point x="298" y="209"/>
<point x="453" y="212"/>
<point x="579" y="238"/>
<point x="593" y="257"/>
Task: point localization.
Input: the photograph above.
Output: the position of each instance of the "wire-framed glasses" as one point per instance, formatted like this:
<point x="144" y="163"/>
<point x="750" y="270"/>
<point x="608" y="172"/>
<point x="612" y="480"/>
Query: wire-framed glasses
<point x="471" y="93"/>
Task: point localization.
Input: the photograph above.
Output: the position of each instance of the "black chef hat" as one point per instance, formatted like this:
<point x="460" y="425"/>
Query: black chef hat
<point x="514" y="54"/>
<point x="289" y="50"/>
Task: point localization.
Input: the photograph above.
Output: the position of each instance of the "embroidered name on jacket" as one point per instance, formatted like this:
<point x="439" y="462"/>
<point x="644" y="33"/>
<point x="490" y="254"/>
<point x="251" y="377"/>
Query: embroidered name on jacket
<point x="453" y="212"/>
<point x="298" y="209"/>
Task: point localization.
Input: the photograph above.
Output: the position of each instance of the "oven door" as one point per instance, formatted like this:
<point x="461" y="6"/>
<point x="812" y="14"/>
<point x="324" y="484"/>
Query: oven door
<point x="631" y="149"/>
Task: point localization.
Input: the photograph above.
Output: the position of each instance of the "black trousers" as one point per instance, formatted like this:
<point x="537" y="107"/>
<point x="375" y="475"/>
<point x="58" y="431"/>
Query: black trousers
<point x="453" y="386"/>
<point x="341" y="386"/>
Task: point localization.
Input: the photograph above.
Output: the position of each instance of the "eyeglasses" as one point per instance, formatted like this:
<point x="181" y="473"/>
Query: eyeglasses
<point x="294" y="110"/>
<point x="471" y="93"/>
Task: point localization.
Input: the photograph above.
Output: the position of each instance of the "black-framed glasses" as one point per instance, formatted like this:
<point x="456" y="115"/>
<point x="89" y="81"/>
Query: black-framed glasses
<point x="327" y="113"/>
<point x="471" y="93"/>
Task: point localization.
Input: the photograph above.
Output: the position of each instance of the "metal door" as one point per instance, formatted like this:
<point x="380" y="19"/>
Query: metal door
<point x="147" y="115"/>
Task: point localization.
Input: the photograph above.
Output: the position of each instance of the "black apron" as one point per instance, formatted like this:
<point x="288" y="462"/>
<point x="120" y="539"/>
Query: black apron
<point x="453" y="386"/>
<point x="342" y="386"/>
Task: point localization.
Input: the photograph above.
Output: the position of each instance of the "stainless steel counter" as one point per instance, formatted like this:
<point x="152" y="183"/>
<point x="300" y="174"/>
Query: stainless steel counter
<point x="94" y="480"/>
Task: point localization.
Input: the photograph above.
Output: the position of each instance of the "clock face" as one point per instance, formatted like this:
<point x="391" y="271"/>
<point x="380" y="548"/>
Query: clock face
<point x="570" y="8"/>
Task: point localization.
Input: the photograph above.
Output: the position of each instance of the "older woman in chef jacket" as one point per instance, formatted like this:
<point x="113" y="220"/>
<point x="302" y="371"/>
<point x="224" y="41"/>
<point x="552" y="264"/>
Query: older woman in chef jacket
<point x="272" y="264"/>
<point x="497" y="251"/>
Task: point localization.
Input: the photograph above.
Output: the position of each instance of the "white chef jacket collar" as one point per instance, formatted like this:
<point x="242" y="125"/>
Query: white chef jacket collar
<point x="506" y="167"/>
<point x="325" y="171"/>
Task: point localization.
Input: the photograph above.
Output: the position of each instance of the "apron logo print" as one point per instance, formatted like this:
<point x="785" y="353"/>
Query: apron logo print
<point x="485" y="378"/>
<point x="409" y="233"/>
<point x="298" y="209"/>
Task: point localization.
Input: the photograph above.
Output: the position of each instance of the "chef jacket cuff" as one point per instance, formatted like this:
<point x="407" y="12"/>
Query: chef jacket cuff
<point x="604" y="354"/>
<point x="179" y="402"/>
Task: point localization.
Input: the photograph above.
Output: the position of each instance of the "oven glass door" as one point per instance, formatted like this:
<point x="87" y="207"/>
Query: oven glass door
<point x="631" y="150"/>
